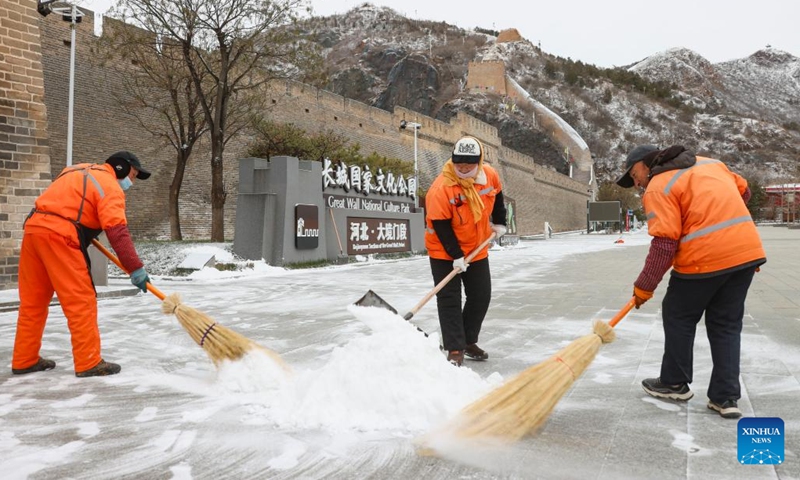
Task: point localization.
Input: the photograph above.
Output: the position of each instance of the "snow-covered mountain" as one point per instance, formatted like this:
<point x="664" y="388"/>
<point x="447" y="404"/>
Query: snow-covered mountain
<point x="764" y="85"/>
<point x="696" y="77"/>
<point x="746" y="111"/>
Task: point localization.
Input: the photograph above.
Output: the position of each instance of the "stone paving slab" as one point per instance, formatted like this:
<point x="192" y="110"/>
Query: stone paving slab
<point x="605" y="427"/>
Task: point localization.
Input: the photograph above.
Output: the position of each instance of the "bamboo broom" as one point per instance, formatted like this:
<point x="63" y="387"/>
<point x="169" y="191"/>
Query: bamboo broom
<point x="219" y="342"/>
<point x="524" y="403"/>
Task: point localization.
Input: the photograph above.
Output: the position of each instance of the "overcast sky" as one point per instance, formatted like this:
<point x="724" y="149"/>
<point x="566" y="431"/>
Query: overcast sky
<point x="612" y="32"/>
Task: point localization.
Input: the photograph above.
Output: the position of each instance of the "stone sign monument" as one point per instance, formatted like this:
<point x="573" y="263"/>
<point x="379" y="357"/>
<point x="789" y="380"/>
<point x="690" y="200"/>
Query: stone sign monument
<point x="292" y="211"/>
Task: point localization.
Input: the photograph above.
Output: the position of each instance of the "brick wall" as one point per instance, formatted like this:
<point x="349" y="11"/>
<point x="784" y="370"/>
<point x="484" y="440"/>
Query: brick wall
<point x="541" y="194"/>
<point x="487" y="76"/>
<point x="491" y="76"/>
<point x="559" y="131"/>
<point x="100" y="129"/>
<point x="24" y="153"/>
<point x="509" y="35"/>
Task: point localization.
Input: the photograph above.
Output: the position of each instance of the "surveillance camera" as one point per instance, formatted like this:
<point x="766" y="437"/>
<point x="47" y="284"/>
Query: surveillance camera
<point x="403" y="124"/>
<point x="43" y="7"/>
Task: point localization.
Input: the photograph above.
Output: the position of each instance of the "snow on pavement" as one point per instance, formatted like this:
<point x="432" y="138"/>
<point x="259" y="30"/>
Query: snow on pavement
<point x="359" y="376"/>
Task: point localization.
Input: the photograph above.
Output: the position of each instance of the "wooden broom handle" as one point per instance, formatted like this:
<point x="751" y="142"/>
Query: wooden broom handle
<point x="158" y="293"/>
<point x="336" y="229"/>
<point x="449" y="277"/>
<point x="621" y="314"/>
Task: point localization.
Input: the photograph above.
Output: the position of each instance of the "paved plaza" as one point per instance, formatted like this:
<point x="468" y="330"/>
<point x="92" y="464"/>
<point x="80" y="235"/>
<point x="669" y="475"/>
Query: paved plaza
<point x="165" y="417"/>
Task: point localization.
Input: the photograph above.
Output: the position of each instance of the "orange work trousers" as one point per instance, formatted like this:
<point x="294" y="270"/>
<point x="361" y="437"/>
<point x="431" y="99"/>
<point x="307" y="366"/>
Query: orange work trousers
<point x="50" y="263"/>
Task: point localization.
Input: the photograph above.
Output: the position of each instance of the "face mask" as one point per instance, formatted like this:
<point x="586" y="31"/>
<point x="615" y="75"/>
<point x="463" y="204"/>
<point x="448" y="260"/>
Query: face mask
<point x="469" y="174"/>
<point x="125" y="183"/>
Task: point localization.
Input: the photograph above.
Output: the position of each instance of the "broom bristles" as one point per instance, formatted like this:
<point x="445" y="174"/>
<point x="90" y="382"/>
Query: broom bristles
<point x="523" y="404"/>
<point x="219" y="342"/>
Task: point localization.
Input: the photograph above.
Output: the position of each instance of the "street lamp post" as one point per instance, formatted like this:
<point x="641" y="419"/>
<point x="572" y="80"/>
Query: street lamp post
<point x="71" y="14"/>
<point x="74" y="16"/>
<point x="73" y="19"/>
<point x="415" y="126"/>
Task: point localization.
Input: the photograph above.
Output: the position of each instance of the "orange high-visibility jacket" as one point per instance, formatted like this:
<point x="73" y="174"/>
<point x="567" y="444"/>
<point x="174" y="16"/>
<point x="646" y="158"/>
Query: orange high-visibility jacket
<point x="88" y="188"/>
<point x="702" y="207"/>
<point x="449" y="203"/>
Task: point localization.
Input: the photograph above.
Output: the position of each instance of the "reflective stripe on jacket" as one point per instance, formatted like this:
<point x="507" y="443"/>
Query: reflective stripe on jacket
<point x="702" y="207"/>
<point x="449" y="203"/>
<point x="102" y="207"/>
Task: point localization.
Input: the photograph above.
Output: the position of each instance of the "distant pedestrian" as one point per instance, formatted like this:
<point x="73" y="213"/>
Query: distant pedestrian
<point x="463" y="207"/>
<point x="697" y="214"/>
<point x="82" y="202"/>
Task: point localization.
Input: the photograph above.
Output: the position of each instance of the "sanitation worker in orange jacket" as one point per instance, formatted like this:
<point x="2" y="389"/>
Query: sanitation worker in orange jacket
<point x="701" y="227"/>
<point x="83" y="201"/>
<point x="463" y="207"/>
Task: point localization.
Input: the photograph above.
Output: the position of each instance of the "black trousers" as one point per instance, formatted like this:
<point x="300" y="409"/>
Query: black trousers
<point x="461" y="327"/>
<point x="721" y="299"/>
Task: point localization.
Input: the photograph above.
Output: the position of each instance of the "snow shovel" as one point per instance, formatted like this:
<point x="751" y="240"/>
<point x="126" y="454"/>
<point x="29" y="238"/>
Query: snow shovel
<point x="371" y="299"/>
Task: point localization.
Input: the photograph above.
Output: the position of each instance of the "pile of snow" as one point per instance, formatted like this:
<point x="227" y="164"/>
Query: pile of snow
<point x="365" y="385"/>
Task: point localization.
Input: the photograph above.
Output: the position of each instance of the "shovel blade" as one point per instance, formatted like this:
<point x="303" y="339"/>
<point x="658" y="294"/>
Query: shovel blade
<point x="372" y="299"/>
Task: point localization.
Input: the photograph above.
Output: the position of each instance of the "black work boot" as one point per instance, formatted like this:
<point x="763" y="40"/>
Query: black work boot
<point x="475" y="352"/>
<point x="101" y="369"/>
<point x="456" y="357"/>
<point x="655" y="388"/>
<point x="41" y="365"/>
<point x="726" y="409"/>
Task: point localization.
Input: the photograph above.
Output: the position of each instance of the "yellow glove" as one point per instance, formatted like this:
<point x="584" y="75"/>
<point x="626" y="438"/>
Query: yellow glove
<point x="641" y="296"/>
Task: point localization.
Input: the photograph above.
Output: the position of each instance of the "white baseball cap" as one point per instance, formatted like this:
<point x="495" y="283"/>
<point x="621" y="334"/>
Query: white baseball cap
<point x="467" y="150"/>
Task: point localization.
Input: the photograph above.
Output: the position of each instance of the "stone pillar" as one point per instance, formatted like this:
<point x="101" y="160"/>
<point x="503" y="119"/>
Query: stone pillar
<point x="265" y="209"/>
<point x="24" y="150"/>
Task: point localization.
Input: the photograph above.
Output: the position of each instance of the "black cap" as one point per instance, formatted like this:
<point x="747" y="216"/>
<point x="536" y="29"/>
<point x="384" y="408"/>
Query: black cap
<point x="132" y="161"/>
<point x="636" y="156"/>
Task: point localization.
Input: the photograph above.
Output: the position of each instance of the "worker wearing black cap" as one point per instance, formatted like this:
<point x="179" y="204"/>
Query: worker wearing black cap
<point x="82" y="202"/>
<point x="701" y="228"/>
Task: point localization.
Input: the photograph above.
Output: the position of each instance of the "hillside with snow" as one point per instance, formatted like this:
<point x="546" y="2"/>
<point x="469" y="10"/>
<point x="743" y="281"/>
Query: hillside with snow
<point x="745" y="112"/>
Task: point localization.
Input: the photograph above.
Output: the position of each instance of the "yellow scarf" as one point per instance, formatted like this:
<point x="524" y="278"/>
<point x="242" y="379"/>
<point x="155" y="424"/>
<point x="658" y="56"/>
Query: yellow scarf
<point x="467" y="186"/>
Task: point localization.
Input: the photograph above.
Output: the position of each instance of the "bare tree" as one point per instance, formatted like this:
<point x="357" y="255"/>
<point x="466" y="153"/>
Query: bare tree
<point x="158" y="91"/>
<point x="230" y="47"/>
